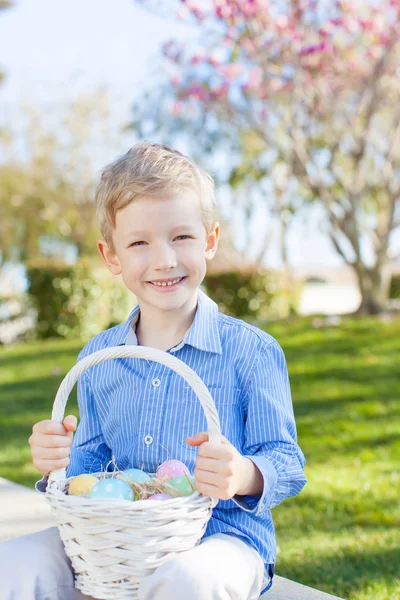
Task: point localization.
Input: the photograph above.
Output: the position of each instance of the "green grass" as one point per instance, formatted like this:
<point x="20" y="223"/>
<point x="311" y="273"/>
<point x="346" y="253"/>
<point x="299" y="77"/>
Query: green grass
<point x="342" y="533"/>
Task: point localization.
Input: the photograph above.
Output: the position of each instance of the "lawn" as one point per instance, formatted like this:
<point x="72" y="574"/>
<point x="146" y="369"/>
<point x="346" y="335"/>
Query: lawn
<point x="342" y="533"/>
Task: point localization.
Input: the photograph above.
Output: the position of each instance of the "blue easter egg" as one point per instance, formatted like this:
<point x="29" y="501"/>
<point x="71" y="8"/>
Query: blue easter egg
<point x="112" y="488"/>
<point x="135" y="475"/>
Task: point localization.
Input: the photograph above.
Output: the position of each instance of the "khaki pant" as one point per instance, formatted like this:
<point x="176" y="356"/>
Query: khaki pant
<point x="222" y="567"/>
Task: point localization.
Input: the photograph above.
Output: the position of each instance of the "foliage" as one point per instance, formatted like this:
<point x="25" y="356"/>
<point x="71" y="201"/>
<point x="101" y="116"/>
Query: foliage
<point x="259" y="294"/>
<point x="47" y="191"/>
<point x="341" y="534"/>
<point x="303" y="97"/>
<point x="395" y="287"/>
<point x="77" y="300"/>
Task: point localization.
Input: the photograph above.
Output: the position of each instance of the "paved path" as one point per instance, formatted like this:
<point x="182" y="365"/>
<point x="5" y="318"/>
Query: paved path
<point x="22" y="510"/>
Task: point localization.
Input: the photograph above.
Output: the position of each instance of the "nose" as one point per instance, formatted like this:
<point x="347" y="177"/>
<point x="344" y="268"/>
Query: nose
<point x="164" y="258"/>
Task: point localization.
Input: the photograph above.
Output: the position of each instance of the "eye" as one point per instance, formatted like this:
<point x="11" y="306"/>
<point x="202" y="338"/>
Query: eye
<point x="183" y="237"/>
<point x="136" y="244"/>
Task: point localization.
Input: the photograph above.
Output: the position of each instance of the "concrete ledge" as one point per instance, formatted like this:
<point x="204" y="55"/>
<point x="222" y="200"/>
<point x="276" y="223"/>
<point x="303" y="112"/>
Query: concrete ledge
<point x="284" y="589"/>
<point x="23" y="511"/>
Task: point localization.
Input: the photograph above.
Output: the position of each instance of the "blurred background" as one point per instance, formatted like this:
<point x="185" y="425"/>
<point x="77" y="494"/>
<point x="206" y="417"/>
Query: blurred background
<point x="294" y="108"/>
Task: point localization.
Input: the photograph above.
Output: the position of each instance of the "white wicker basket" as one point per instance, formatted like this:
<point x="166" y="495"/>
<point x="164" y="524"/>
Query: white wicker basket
<point x="114" y="545"/>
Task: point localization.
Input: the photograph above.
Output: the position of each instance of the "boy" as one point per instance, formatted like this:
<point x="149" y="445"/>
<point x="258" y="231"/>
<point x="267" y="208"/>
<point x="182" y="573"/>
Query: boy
<point x="155" y="210"/>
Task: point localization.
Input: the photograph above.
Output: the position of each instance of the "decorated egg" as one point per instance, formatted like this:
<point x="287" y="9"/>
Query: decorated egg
<point x="159" y="497"/>
<point x="184" y="485"/>
<point x="171" y="469"/>
<point x="112" y="488"/>
<point x="81" y="485"/>
<point x="135" y="475"/>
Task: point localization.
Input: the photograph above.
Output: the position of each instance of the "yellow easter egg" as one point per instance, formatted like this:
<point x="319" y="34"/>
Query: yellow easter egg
<point x="81" y="485"/>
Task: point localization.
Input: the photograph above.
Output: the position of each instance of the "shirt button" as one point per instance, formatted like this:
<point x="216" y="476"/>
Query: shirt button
<point x="148" y="440"/>
<point x="156" y="382"/>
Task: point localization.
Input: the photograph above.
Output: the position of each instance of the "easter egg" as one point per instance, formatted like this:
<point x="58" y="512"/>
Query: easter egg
<point x="184" y="485"/>
<point x="112" y="488"/>
<point x="81" y="485"/>
<point x="159" y="497"/>
<point x="171" y="469"/>
<point x="135" y="475"/>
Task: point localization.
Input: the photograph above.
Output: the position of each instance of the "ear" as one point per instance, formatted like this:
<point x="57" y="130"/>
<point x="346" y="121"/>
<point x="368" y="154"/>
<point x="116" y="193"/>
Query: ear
<point x="110" y="257"/>
<point x="212" y="242"/>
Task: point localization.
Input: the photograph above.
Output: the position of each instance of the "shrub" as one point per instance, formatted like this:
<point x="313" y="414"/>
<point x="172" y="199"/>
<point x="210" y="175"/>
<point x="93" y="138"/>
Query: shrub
<point x="261" y="294"/>
<point x="77" y="300"/>
<point x="394" y="292"/>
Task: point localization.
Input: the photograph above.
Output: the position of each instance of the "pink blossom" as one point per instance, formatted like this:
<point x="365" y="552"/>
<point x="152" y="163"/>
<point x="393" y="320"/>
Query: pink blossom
<point x="220" y="92"/>
<point x="176" y="108"/>
<point x="384" y="39"/>
<point x="351" y="25"/>
<point x="313" y="49"/>
<point x="374" y="52"/>
<point x="196" y="59"/>
<point x="276" y="84"/>
<point x="213" y="61"/>
<point x="176" y="80"/>
<point x="281" y="21"/>
<point x="196" y="91"/>
<point x="367" y="24"/>
<point x="255" y="78"/>
<point x="328" y="28"/>
<point x="230" y="71"/>
<point x="248" y="45"/>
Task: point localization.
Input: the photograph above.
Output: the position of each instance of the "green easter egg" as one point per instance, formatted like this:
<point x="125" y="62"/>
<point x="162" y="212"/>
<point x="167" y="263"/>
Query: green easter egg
<point x="184" y="485"/>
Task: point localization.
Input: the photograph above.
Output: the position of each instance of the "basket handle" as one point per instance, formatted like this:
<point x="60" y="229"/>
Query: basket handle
<point x="198" y="386"/>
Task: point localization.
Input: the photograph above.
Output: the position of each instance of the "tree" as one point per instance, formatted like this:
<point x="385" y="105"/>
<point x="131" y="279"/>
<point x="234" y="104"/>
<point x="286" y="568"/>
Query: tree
<point x="315" y="87"/>
<point x="47" y="193"/>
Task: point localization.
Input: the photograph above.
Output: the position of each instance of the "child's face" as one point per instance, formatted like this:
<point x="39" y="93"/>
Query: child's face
<point x="161" y="240"/>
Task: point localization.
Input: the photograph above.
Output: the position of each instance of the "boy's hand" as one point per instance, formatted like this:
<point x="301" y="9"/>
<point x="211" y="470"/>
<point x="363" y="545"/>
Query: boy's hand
<point x="221" y="471"/>
<point x="50" y="444"/>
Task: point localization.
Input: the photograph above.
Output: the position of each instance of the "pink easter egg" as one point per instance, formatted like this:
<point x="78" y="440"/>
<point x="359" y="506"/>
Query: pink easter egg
<point x="159" y="497"/>
<point x="171" y="469"/>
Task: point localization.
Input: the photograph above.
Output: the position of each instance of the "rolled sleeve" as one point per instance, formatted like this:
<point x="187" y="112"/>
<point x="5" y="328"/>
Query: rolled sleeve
<point x="270" y="432"/>
<point x="255" y="504"/>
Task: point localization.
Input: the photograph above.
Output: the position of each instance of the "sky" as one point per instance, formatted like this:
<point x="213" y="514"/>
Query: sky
<point x="55" y="50"/>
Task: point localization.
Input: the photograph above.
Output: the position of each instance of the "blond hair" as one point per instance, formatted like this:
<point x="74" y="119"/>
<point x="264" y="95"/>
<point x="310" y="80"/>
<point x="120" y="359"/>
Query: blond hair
<point x="152" y="170"/>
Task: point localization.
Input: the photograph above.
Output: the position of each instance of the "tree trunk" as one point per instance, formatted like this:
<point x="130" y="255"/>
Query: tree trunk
<point x="374" y="286"/>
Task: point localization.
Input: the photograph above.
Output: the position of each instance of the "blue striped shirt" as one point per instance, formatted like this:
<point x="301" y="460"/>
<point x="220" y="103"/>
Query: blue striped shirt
<point x="141" y="412"/>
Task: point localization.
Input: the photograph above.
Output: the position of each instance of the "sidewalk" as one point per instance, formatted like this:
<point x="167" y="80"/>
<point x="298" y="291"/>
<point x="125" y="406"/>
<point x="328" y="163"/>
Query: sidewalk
<point x="22" y="510"/>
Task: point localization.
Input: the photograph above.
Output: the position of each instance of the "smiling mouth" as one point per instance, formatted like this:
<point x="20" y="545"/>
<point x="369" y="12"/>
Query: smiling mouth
<point x="168" y="283"/>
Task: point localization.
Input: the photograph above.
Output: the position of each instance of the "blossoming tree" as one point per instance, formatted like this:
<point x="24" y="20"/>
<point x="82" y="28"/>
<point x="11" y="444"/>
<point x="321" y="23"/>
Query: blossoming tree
<point x="306" y="95"/>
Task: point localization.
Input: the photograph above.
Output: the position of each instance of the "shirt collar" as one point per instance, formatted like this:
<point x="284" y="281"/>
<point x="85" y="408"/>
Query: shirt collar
<point x="203" y="333"/>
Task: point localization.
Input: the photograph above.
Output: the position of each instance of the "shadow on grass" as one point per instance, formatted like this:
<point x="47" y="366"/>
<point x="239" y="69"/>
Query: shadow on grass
<point x="317" y="513"/>
<point x="50" y="356"/>
<point x="25" y="403"/>
<point x="344" y="574"/>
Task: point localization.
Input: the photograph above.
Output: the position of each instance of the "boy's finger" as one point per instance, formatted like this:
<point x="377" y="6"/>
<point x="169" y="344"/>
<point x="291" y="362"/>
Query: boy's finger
<point x="200" y="438"/>
<point x="51" y="453"/>
<point x="49" y="427"/>
<point x="50" y="441"/>
<point x="46" y="466"/>
<point x="70" y="423"/>
<point x="197" y="439"/>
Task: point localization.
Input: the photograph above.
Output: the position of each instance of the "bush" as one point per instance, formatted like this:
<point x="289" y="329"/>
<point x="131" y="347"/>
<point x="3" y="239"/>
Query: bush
<point x="264" y="295"/>
<point x="77" y="300"/>
<point x="394" y="292"/>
